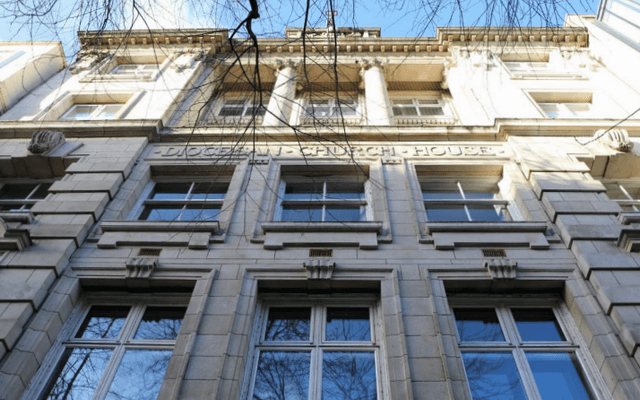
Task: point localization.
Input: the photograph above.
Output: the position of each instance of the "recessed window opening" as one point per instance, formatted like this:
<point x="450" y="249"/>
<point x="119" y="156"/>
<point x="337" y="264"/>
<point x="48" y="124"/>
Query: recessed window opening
<point x="22" y="196"/>
<point x="625" y="193"/>
<point x="184" y="201"/>
<point x="91" y="111"/>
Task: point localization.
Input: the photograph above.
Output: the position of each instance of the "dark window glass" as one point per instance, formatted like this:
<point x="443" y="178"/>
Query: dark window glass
<point x="348" y="324"/>
<point x="170" y="191"/>
<point x="80" y="373"/>
<point x="557" y="377"/>
<point x="349" y="375"/>
<point x="170" y="213"/>
<point x="103" y="322"/>
<point x="297" y="214"/>
<point x="282" y="375"/>
<point x="288" y="324"/>
<point x="208" y="191"/>
<point x="16" y="190"/>
<point x="447" y="212"/>
<point x="160" y="323"/>
<point x="537" y="325"/>
<point x="485" y="213"/>
<point x="139" y="375"/>
<point x="342" y="214"/>
<point x="493" y="376"/>
<point x="200" y="213"/>
<point x="478" y="325"/>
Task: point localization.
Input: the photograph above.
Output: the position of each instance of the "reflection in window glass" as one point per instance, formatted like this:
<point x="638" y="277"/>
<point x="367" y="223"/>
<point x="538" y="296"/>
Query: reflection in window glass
<point x="184" y="201"/>
<point x="348" y="375"/>
<point x="282" y="375"/>
<point x="478" y="325"/>
<point x="161" y="323"/>
<point x="80" y="374"/>
<point x="348" y="324"/>
<point x="493" y="376"/>
<point x="103" y="322"/>
<point x="557" y="377"/>
<point x="139" y="375"/>
<point x="537" y="324"/>
<point x="288" y="324"/>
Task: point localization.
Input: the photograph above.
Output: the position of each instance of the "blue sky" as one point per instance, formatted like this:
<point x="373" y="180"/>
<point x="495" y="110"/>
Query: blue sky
<point x="396" y="18"/>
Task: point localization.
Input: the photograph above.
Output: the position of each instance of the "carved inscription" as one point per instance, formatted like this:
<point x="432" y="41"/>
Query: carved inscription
<point x="204" y="152"/>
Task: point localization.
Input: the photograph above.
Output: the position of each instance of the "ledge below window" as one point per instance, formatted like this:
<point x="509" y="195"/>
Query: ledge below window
<point x="193" y="234"/>
<point x="357" y="234"/>
<point x="449" y="235"/>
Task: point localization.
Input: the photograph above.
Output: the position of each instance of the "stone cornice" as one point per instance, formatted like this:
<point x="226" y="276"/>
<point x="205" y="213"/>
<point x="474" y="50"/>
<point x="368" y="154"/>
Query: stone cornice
<point x="112" y="128"/>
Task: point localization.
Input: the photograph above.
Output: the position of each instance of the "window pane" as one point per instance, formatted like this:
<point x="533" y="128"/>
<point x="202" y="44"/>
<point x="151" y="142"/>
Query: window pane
<point x="442" y="195"/>
<point x="429" y="111"/>
<point x="229" y="111"/>
<point x="80" y="112"/>
<point x="402" y="102"/>
<point x="80" y="373"/>
<point x="345" y="190"/>
<point x="348" y="324"/>
<point x="428" y="101"/>
<point x="303" y="191"/>
<point x="478" y="325"/>
<point x="160" y="323"/>
<point x="103" y="322"/>
<point x="343" y="214"/>
<point x="42" y="192"/>
<point x="282" y="376"/>
<point x="349" y="375"/>
<point x="288" y="324"/>
<point x="199" y="213"/>
<point x="160" y="213"/>
<point x="493" y="376"/>
<point x="550" y="109"/>
<point x="16" y="190"/>
<point x="537" y="324"/>
<point x="446" y="213"/>
<point x="405" y="111"/>
<point x="139" y="375"/>
<point x="557" y="376"/>
<point x="486" y="213"/>
<point x="170" y="191"/>
<point x="301" y="214"/>
<point x="208" y="191"/>
<point x="125" y="69"/>
<point x="109" y="111"/>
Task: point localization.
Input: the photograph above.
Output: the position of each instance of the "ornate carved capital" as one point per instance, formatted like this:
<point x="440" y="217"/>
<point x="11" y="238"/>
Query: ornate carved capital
<point x="319" y="268"/>
<point x="500" y="268"/>
<point x="616" y="139"/>
<point x="43" y="141"/>
<point x="86" y="60"/>
<point x="140" y="268"/>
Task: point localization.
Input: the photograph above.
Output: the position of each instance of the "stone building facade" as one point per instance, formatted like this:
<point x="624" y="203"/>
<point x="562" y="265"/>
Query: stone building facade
<point x="452" y="217"/>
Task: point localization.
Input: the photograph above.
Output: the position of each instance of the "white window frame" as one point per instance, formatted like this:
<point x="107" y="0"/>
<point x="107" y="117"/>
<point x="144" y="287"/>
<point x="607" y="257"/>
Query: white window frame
<point x="145" y="201"/>
<point x="311" y="114"/>
<point x="566" y="110"/>
<point x="364" y="204"/>
<point x="249" y="103"/>
<point x="139" y="69"/>
<point x="29" y="201"/>
<point x="626" y="200"/>
<point x="447" y="117"/>
<point x="573" y="343"/>
<point x="317" y="344"/>
<point x="66" y="340"/>
<point x="94" y="115"/>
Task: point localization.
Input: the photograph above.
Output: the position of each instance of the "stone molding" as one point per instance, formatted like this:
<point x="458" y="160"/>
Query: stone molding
<point x="629" y="240"/>
<point x="500" y="268"/>
<point x="43" y="141"/>
<point x="319" y="268"/>
<point x="616" y="139"/>
<point x="140" y="268"/>
<point x="13" y="236"/>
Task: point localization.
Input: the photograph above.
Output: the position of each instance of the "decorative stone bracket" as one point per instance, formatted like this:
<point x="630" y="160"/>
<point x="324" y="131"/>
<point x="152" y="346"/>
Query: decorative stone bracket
<point x="140" y="268"/>
<point x="616" y="139"/>
<point x="192" y="234"/>
<point x="450" y="235"/>
<point x="43" y="141"/>
<point x="319" y="268"/>
<point x="500" y="268"/>
<point x="13" y="236"/>
<point x="352" y="234"/>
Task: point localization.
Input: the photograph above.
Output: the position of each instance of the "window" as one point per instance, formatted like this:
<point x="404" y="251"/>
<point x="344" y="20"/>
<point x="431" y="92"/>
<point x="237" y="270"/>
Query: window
<point x="22" y="196"/>
<point x="625" y="193"/>
<point x="463" y="199"/>
<point x="565" y="110"/>
<point x="345" y="108"/>
<point x="417" y="107"/>
<point x="236" y="109"/>
<point x="135" y="69"/>
<point x="91" y="111"/>
<point x="324" y="350"/>
<point x="182" y="201"/>
<point x="565" y="105"/>
<point x="520" y="349"/>
<point x="118" y="351"/>
<point x="540" y="70"/>
<point x="317" y="198"/>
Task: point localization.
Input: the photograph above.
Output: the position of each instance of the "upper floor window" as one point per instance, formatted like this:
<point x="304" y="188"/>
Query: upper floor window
<point x="625" y="193"/>
<point x="134" y="69"/>
<point x="22" y="196"/>
<point x="566" y="110"/>
<point x="91" y="111"/>
<point x="236" y="109"/>
<point x="342" y="108"/>
<point x="566" y="104"/>
<point x="460" y="199"/>
<point x="423" y="110"/>
<point x="182" y="201"/>
<point x="320" y="350"/>
<point x="318" y="198"/>
<point x="117" y="351"/>
<point x="520" y="349"/>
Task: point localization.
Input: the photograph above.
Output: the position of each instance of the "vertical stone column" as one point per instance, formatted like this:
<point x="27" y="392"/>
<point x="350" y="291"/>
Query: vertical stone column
<point x="377" y="98"/>
<point x="282" y="98"/>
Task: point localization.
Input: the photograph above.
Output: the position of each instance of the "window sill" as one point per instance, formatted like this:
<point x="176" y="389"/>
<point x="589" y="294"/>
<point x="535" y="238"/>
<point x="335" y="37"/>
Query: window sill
<point x="332" y="120"/>
<point x="234" y="120"/>
<point x="143" y="77"/>
<point x="363" y="235"/>
<point x="192" y="234"/>
<point x="449" y="235"/>
<point x="538" y="76"/>
<point x="419" y="121"/>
